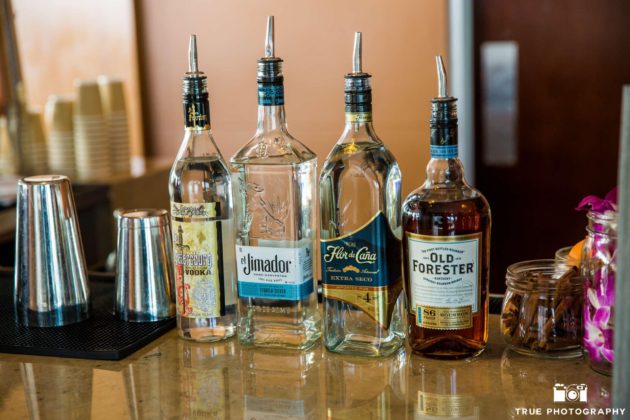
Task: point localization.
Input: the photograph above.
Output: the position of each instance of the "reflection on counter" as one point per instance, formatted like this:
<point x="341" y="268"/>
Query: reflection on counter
<point x="149" y="385"/>
<point x="365" y="388"/>
<point x="9" y="386"/>
<point x="281" y="384"/>
<point x="545" y="384"/>
<point x="442" y="389"/>
<point x="205" y="379"/>
<point x="173" y="378"/>
<point x="57" y="391"/>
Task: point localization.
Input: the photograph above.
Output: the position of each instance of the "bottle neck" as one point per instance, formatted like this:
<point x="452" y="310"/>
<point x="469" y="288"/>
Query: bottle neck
<point x="444" y="168"/>
<point x="197" y="113"/>
<point x="197" y="141"/>
<point x="359" y="117"/>
<point x="358" y="109"/>
<point x="444" y="172"/>
<point x="444" y="140"/>
<point x="602" y="223"/>
<point x="358" y="126"/>
<point x="271" y="114"/>
<point x="271" y="118"/>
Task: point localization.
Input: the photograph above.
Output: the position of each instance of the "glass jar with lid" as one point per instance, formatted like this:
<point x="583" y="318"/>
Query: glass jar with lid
<point x="598" y="265"/>
<point x="542" y="309"/>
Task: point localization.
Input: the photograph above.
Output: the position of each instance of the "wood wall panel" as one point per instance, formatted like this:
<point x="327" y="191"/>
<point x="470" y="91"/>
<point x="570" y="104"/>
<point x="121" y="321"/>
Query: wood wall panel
<point x="573" y="60"/>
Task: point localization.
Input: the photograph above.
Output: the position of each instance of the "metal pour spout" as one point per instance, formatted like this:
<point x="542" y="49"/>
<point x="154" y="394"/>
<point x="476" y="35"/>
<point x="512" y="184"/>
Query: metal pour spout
<point x="194" y="81"/>
<point x="269" y="50"/>
<point x="357" y="53"/>
<point x="192" y="54"/>
<point x="442" y="91"/>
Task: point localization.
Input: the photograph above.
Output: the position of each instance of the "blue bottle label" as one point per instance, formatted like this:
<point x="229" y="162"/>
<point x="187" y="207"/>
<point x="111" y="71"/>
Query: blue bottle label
<point x="270" y="94"/>
<point x="363" y="268"/>
<point x="444" y="152"/>
<point x="274" y="272"/>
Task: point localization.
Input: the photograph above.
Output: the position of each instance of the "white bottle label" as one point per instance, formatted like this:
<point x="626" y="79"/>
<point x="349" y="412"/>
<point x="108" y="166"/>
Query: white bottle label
<point x="274" y="272"/>
<point x="444" y="278"/>
<point x="197" y="251"/>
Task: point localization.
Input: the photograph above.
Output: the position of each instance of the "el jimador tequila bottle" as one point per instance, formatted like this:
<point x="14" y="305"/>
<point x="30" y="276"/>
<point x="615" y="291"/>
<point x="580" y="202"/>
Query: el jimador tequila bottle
<point x="446" y="246"/>
<point x="360" y="232"/>
<point x="275" y="223"/>
<point x="200" y="188"/>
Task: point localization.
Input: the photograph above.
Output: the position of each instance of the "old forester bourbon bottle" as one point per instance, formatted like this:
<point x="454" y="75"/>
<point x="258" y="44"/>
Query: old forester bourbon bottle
<point x="446" y="246"/>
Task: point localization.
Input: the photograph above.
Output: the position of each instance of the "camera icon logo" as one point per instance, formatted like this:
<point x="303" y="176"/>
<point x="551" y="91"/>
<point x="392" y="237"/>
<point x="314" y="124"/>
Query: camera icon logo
<point x="570" y="393"/>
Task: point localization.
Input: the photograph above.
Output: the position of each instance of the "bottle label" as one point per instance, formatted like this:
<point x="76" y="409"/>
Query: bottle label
<point x="444" y="142"/>
<point x="444" y="278"/>
<point x="270" y="94"/>
<point x="274" y="272"/>
<point x="197" y="246"/>
<point x="363" y="269"/>
<point x="444" y="152"/>
<point x="358" y="117"/>
<point x="197" y="114"/>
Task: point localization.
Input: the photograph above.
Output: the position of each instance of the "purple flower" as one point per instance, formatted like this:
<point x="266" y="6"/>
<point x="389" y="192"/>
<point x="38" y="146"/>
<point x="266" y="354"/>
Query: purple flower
<point x="599" y="205"/>
<point x="597" y="332"/>
<point x="609" y="354"/>
<point x="602" y="315"/>
<point x="612" y="196"/>
<point x="601" y="266"/>
<point x="593" y="340"/>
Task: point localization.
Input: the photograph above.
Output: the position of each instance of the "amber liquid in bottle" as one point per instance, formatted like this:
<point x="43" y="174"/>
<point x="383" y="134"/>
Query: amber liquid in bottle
<point x="471" y="215"/>
<point x="446" y="248"/>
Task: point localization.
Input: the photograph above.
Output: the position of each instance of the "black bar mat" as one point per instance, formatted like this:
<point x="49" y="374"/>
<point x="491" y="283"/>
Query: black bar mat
<point x="102" y="337"/>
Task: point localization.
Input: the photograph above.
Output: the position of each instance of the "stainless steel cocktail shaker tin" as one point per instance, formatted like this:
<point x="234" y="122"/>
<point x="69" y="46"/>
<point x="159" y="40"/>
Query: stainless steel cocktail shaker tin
<point x="51" y="283"/>
<point x="145" y="283"/>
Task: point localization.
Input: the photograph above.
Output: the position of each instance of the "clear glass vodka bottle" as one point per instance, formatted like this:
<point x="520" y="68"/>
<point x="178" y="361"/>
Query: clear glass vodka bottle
<point x="360" y="233"/>
<point x="200" y="188"/>
<point x="275" y="223"/>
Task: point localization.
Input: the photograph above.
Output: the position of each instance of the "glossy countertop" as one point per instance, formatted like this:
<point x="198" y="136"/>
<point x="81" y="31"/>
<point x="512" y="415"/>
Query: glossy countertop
<point x="173" y="378"/>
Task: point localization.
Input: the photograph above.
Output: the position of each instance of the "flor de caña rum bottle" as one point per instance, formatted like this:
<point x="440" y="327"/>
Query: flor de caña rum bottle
<point x="202" y="221"/>
<point x="275" y="223"/>
<point x="360" y="232"/>
<point x="446" y="247"/>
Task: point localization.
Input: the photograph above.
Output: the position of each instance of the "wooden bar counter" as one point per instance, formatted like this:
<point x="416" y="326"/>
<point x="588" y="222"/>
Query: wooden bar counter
<point x="173" y="378"/>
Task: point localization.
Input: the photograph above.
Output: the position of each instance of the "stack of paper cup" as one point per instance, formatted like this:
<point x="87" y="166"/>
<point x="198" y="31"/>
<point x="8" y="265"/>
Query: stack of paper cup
<point x="115" y="113"/>
<point x="33" y="143"/>
<point x="58" y="115"/>
<point x="7" y="157"/>
<point x="91" y="146"/>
